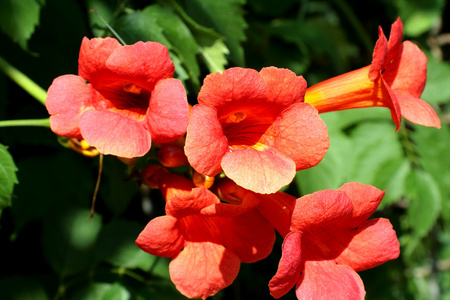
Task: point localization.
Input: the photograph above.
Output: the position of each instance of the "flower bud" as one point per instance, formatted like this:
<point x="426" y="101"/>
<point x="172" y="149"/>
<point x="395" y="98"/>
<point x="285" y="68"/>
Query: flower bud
<point x="172" y="156"/>
<point x="202" y="180"/>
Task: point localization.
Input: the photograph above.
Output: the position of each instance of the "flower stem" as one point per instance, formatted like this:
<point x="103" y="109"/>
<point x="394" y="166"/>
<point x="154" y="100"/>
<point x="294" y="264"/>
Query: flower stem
<point x="30" y="122"/>
<point x="23" y="81"/>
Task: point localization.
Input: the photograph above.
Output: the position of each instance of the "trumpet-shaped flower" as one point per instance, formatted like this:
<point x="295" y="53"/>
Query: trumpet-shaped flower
<point x="395" y="79"/>
<point x="255" y="127"/>
<point x="123" y="98"/>
<point x="329" y="240"/>
<point x="207" y="240"/>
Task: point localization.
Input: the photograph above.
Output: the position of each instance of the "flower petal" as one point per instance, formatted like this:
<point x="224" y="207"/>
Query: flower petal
<point x="284" y="87"/>
<point x="319" y="209"/>
<point x="262" y="171"/>
<point x="327" y="280"/>
<point x="205" y="142"/>
<point x="289" y="267"/>
<point x="379" y="55"/>
<point x="395" y="37"/>
<point x="300" y="134"/>
<point x="114" y="134"/>
<point x="233" y="89"/>
<point x="191" y="203"/>
<point x="161" y="237"/>
<point x="418" y="111"/>
<point x="67" y="98"/>
<point x="93" y="55"/>
<point x="168" y="115"/>
<point x="249" y="236"/>
<point x="407" y="71"/>
<point x="373" y="244"/>
<point x="365" y="199"/>
<point x="203" y="269"/>
<point x="143" y="64"/>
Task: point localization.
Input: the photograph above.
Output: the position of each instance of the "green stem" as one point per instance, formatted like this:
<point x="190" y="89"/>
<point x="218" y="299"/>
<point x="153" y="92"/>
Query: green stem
<point x="31" y="122"/>
<point x="23" y="81"/>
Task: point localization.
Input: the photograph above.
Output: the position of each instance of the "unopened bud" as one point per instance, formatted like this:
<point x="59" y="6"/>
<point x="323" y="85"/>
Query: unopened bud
<point x="172" y="156"/>
<point x="151" y="174"/>
<point x="202" y="180"/>
<point x="83" y="147"/>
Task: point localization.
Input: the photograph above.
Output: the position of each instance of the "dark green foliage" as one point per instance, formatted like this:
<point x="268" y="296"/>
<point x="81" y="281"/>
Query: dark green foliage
<point x="50" y="250"/>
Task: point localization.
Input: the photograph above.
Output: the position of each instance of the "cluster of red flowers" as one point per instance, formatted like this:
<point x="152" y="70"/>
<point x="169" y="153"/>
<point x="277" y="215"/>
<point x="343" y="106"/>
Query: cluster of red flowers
<point x="245" y="139"/>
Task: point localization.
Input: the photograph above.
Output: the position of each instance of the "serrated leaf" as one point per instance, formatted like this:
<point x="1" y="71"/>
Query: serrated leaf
<point x="425" y="202"/>
<point x="139" y="26"/>
<point x="18" y="19"/>
<point x="210" y="44"/>
<point x="8" y="177"/>
<point x="214" y="53"/>
<point x="179" y="36"/>
<point x="226" y="17"/>
<point x="69" y="240"/>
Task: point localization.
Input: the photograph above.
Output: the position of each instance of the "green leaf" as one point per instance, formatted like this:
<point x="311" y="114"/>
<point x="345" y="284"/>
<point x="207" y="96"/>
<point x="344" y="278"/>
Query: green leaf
<point x="7" y="177"/>
<point x="391" y="177"/>
<point x="432" y="146"/>
<point x="374" y="144"/>
<point x="226" y="17"/>
<point x="179" y="36"/>
<point x="419" y="16"/>
<point x="139" y="26"/>
<point x="22" y="288"/>
<point x="18" y="19"/>
<point x="331" y="172"/>
<point x="116" y="245"/>
<point x="69" y="240"/>
<point x="425" y="202"/>
<point x="210" y="44"/>
<point x="436" y="90"/>
<point x="213" y="51"/>
<point x="102" y="291"/>
<point x="105" y="10"/>
<point x="116" y="191"/>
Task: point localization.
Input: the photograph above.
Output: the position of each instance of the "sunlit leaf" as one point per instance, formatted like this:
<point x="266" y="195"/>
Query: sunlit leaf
<point x="18" y="19"/>
<point x="7" y="177"/>
<point x="419" y="16"/>
<point x="425" y="202"/>
<point x="432" y="146"/>
<point x="331" y="172"/>
<point x="438" y="73"/>
<point x="226" y="17"/>
<point x="180" y="37"/>
<point x="374" y="143"/>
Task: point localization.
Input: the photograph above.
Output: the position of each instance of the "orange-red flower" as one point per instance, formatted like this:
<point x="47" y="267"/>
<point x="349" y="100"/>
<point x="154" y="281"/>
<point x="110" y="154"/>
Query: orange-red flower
<point x="329" y="239"/>
<point x="395" y="79"/>
<point x="206" y="239"/>
<point x="123" y="98"/>
<point x="255" y="127"/>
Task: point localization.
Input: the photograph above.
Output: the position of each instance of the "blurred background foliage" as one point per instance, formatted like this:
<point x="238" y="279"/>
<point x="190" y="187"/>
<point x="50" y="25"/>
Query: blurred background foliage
<point x="49" y="248"/>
